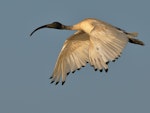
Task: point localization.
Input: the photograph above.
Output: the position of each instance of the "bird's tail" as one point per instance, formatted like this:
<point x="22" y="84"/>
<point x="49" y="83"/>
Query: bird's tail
<point x="133" y="40"/>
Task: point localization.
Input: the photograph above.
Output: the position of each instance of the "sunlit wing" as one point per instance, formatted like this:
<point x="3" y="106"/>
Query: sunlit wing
<point x="106" y="44"/>
<point x="73" y="56"/>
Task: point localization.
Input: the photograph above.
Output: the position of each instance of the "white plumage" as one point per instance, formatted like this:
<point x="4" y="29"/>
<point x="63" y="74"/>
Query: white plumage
<point x="95" y="42"/>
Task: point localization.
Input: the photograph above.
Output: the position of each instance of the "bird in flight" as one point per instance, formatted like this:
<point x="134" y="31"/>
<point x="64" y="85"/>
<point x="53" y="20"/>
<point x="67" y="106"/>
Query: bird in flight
<point x="95" y="42"/>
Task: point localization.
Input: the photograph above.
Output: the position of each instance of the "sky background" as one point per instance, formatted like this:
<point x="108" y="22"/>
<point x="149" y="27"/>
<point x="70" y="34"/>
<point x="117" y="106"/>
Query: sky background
<point x="26" y="63"/>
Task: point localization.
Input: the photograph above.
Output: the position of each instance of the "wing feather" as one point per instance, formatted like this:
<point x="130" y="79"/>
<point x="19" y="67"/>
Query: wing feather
<point x="73" y="56"/>
<point x="106" y="44"/>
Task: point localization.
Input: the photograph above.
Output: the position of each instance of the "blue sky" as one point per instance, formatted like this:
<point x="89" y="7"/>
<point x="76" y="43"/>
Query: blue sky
<point x="26" y="63"/>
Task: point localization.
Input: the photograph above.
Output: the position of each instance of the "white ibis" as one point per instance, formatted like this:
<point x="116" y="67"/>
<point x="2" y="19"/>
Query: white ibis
<point x="95" y="42"/>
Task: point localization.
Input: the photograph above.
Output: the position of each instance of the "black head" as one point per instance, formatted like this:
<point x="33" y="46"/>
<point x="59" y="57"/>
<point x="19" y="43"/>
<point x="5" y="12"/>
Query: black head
<point x="55" y="25"/>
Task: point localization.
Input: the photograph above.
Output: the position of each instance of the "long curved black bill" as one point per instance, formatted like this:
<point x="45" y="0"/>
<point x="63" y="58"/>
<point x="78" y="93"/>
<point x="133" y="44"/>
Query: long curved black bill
<point x="44" y="26"/>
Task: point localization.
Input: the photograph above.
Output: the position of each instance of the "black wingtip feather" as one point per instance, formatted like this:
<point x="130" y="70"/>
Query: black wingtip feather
<point x="56" y="83"/>
<point x="113" y="60"/>
<point x="101" y="70"/>
<point x="73" y="71"/>
<point x="52" y="81"/>
<point x="68" y="73"/>
<point x="95" y="69"/>
<point x="63" y="82"/>
<point x="106" y="70"/>
<point x="51" y="77"/>
<point x="107" y="62"/>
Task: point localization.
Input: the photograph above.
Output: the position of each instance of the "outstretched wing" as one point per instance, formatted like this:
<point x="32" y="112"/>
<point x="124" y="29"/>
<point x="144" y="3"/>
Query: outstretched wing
<point x="106" y="44"/>
<point x="73" y="55"/>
